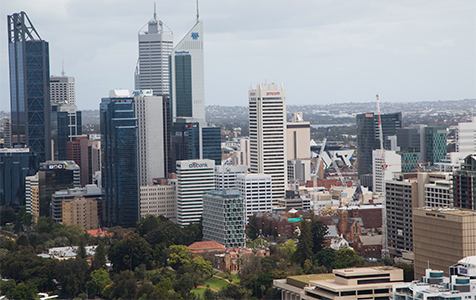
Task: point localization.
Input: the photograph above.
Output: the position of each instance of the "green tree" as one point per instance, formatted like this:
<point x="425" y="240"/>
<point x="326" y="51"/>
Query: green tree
<point x="234" y="292"/>
<point x="125" y="285"/>
<point x="305" y="244"/>
<point x="209" y="295"/>
<point x="44" y="225"/>
<point x="7" y="215"/>
<point x="82" y="249"/>
<point x="24" y="291"/>
<point x="326" y="257"/>
<point x="129" y="253"/>
<point x="22" y="220"/>
<point x="346" y="258"/>
<point x="289" y="248"/>
<point x="99" y="280"/>
<point x="99" y="260"/>
<point x="73" y="275"/>
<point x="319" y="231"/>
<point x="179" y="255"/>
<point x="253" y="228"/>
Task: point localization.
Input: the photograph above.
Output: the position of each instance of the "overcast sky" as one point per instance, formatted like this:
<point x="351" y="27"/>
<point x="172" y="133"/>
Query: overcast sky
<point x="324" y="51"/>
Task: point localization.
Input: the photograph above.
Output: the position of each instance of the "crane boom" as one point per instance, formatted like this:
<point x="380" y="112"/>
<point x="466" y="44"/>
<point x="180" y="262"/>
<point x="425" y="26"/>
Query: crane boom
<point x="318" y="164"/>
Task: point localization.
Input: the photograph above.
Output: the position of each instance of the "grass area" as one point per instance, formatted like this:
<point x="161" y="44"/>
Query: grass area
<point x="233" y="277"/>
<point x="198" y="292"/>
<point x="216" y="283"/>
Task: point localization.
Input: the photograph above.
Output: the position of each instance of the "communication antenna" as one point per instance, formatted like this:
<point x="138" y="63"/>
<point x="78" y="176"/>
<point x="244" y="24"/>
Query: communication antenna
<point x="197" y="12"/>
<point x="62" y="70"/>
<point x="155" y="12"/>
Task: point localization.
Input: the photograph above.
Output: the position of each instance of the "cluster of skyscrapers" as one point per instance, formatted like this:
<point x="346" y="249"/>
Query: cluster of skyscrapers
<point x="157" y="155"/>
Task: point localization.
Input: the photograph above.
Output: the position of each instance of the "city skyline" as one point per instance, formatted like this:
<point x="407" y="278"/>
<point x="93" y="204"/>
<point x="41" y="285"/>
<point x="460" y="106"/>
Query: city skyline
<point x="403" y="51"/>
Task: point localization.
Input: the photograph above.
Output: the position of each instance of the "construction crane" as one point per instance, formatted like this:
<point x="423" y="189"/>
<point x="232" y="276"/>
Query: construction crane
<point x="384" y="192"/>
<point x="336" y="167"/>
<point x="318" y="164"/>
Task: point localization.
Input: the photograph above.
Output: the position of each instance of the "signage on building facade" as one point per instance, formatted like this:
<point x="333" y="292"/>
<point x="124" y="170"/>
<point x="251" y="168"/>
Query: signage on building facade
<point x="55" y="167"/>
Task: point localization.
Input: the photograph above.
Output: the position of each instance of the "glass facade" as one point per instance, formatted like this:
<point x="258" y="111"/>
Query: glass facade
<point x="212" y="144"/>
<point x="192" y="141"/>
<point x="368" y="137"/>
<point x="435" y="141"/>
<point x="120" y="177"/>
<point x="15" y="165"/>
<point x="29" y="86"/>
<point x="183" y="86"/>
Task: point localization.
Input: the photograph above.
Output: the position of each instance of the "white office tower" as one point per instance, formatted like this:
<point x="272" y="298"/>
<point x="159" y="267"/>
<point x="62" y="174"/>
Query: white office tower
<point x="383" y="168"/>
<point x="225" y="176"/>
<point x="158" y="200"/>
<point x="267" y="113"/>
<point x="257" y="191"/>
<point x="466" y="137"/>
<point x="187" y="75"/>
<point x="62" y="90"/>
<point x="224" y="218"/>
<point x="155" y="46"/>
<point x="148" y="110"/>
<point x="194" y="178"/>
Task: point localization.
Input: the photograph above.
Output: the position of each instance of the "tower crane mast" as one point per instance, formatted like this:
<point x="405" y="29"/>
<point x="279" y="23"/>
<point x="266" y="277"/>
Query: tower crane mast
<point x="384" y="192"/>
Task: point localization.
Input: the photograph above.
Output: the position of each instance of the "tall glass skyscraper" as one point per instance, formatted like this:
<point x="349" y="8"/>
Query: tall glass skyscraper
<point x="29" y="86"/>
<point x="187" y="76"/>
<point x="120" y="174"/>
<point x="155" y="47"/>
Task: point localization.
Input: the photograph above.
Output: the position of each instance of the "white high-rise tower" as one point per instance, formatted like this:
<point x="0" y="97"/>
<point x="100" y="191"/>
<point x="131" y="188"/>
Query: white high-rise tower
<point x="267" y="110"/>
<point x="155" y="47"/>
<point x="188" y="92"/>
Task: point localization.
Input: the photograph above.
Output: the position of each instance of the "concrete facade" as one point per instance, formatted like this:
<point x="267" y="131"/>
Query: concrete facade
<point x="442" y="236"/>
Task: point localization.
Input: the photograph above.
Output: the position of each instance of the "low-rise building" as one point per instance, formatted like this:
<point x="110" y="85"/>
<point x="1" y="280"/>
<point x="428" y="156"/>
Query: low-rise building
<point x="158" y="200"/>
<point x="435" y="286"/>
<point x="351" y="283"/>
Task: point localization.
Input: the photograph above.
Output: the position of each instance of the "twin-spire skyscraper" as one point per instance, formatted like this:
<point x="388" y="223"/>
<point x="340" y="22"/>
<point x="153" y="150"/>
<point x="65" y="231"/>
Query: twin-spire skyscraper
<point x="174" y="72"/>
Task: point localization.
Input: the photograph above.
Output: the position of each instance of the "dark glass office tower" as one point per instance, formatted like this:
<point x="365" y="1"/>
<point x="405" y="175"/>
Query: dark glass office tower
<point x="192" y="140"/>
<point x="211" y="144"/>
<point x="368" y="137"/>
<point x="29" y="86"/>
<point x="15" y="165"/>
<point x="464" y="184"/>
<point x="120" y="174"/>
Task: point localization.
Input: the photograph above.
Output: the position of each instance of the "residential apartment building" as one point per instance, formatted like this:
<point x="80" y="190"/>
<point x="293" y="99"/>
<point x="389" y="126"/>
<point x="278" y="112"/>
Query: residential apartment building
<point x="158" y="200"/>
<point x="80" y="211"/>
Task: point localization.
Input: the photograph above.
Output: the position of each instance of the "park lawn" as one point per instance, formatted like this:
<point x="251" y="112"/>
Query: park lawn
<point x="234" y="277"/>
<point x="198" y="292"/>
<point x="216" y="283"/>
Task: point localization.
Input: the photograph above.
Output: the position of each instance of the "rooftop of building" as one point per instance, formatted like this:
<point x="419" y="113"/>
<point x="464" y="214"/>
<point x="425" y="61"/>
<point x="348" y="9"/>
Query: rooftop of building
<point x="206" y="246"/>
<point x="449" y="211"/>
<point x="301" y="281"/>
<point x="353" y="272"/>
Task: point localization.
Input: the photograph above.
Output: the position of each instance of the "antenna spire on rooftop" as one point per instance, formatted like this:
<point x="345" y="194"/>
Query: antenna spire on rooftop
<point x="62" y="69"/>
<point x="197" y="12"/>
<point x="155" y="11"/>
